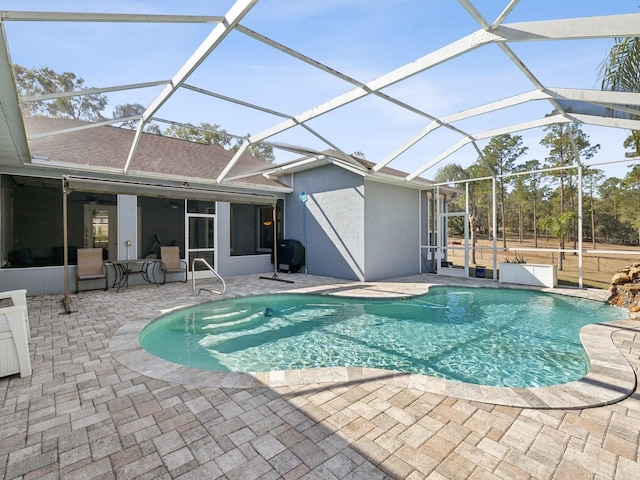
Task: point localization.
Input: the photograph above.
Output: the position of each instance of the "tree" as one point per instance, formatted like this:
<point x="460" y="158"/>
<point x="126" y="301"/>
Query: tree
<point x="537" y="192"/>
<point x="128" y="110"/>
<point x="619" y="72"/>
<point x="609" y="192"/>
<point x="451" y="174"/>
<point x="560" y="140"/>
<point x="631" y="205"/>
<point x="501" y="154"/>
<point x="632" y="142"/>
<point x="89" y="107"/>
<point x="205" y="133"/>
<point x="592" y="178"/>
<point x="559" y="227"/>
<point x="42" y="81"/>
<point x="262" y="151"/>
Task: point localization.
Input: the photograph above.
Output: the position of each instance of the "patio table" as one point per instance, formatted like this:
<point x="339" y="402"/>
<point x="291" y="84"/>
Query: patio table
<point x="142" y="266"/>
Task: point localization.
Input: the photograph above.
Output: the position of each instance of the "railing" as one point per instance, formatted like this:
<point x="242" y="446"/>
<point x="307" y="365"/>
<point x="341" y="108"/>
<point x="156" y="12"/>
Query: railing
<point x="193" y="277"/>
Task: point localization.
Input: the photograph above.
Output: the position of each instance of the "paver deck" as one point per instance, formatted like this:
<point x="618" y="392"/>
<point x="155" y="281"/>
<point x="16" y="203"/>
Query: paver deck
<point x="96" y="407"/>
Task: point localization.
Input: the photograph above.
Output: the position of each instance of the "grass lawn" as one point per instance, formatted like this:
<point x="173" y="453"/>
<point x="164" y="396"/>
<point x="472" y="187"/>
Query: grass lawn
<point x="598" y="268"/>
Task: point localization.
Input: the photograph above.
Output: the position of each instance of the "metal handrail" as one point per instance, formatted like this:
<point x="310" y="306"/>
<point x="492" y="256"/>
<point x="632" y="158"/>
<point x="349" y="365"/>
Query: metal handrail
<point x="193" y="277"/>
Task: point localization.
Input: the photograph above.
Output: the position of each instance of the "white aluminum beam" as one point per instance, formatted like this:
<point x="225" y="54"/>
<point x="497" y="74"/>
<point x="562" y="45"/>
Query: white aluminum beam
<point x="518" y="127"/>
<point x="472" y="112"/>
<point x="219" y="33"/>
<point x="268" y="111"/>
<point x="475" y="14"/>
<point x="340" y="75"/>
<point x="235" y="100"/>
<point x="595" y="96"/>
<point x="505" y="13"/>
<point x="451" y="150"/>
<point x="497" y="105"/>
<point x="407" y="145"/>
<point x="596" y="27"/>
<point x="488" y="134"/>
<point x="607" y="26"/>
<point x="624" y="123"/>
<point x="91" y="91"/>
<point x="508" y="52"/>
<point x="293" y="53"/>
<point x="25" y="16"/>
<point x="437" y="57"/>
<point x="83" y="127"/>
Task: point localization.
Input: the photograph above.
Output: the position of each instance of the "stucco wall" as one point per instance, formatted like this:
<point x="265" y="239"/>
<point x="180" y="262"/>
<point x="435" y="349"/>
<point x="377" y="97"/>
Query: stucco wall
<point x="392" y="232"/>
<point x="334" y="221"/>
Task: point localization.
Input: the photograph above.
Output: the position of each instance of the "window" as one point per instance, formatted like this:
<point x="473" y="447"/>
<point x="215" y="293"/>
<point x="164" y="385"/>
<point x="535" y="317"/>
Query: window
<point x="265" y="229"/>
<point x="251" y="228"/>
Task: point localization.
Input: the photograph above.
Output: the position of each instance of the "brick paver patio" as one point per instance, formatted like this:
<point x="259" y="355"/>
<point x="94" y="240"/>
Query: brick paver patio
<point x="84" y="415"/>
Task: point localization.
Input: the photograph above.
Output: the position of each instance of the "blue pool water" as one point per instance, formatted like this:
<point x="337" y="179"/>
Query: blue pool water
<point x="501" y="337"/>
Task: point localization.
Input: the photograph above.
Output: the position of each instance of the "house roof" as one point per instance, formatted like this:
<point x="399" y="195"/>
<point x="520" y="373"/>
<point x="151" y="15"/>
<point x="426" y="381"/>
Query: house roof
<point x="355" y="164"/>
<point x="106" y="148"/>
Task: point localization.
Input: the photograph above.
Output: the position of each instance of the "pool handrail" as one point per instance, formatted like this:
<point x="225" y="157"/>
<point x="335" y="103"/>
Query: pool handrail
<point x="193" y="278"/>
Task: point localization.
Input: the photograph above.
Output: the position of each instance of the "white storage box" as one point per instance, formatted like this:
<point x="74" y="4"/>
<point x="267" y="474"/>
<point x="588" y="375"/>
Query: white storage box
<point x="14" y="334"/>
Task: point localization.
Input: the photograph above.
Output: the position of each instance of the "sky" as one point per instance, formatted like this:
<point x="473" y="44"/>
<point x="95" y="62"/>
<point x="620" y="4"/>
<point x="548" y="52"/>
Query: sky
<point x="363" y="39"/>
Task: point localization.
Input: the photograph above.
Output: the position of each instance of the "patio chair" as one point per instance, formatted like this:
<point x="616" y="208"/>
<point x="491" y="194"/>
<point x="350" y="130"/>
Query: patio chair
<point x="90" y="266"/>
<point x="172" y="263"/>
<point x="14" y="334"/>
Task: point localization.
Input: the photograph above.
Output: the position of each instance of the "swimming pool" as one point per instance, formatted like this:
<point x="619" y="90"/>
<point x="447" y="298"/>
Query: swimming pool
<point x="500" y="337"/>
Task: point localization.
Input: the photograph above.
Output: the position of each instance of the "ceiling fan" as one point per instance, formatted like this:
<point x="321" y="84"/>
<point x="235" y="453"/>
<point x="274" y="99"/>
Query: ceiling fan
<point x="94" y="199"/>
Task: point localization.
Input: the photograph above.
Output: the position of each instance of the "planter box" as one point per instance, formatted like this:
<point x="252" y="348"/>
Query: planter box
<point x="538" y="275"/>
<point x="452" y="272"/>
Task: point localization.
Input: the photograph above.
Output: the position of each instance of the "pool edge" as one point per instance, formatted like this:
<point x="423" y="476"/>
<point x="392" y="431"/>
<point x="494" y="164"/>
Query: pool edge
<point x="609" y="380"/>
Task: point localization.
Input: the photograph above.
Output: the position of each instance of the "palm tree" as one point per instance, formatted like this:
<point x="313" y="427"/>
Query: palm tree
<point x="559" y="227"/>
<point x="620" y="72"/>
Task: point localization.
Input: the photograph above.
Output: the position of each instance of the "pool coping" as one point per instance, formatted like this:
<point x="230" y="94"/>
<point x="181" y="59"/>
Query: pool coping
<point x="610" y="379"/>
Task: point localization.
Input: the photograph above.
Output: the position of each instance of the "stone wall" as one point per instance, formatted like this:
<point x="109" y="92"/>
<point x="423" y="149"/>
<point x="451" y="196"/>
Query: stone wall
<point x="625" y="288"/>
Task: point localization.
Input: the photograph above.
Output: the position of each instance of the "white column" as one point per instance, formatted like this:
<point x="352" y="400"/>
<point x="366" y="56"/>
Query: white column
<point x="580" y="233"/>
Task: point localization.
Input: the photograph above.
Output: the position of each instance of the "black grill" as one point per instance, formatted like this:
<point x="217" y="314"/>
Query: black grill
<point x="290" y="255"/>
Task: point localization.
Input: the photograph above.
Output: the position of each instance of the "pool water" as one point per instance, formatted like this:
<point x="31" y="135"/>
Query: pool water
<point x="488" y="336"/>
